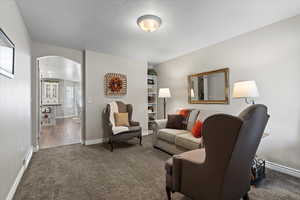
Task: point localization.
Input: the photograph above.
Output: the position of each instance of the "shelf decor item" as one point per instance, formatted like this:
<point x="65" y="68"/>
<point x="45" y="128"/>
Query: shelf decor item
<point x="7" y="55"/>
<point x="115" y="84"/>
<point x="152" y="72"/>
<point x="150" y="82"/>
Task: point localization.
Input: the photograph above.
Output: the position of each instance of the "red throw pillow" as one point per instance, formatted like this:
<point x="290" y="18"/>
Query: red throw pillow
<point x="184" y="112"/>
<point x="197" y="129"/>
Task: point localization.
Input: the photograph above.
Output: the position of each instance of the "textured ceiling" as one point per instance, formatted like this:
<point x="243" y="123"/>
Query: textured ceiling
<point x="109" y="26"/>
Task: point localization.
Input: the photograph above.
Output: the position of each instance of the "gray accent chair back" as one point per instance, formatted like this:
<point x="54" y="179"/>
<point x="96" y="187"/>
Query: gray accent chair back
<point x="222" y="170"/>
<point x="135" y="129"/>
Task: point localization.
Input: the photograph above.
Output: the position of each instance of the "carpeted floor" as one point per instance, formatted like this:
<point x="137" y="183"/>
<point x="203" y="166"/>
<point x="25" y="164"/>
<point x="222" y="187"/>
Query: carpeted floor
<point x="131" y="172"/>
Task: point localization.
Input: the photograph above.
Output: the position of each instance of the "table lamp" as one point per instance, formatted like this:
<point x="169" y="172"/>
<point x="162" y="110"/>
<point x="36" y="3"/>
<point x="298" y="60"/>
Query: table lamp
<point x="245" y="89"/>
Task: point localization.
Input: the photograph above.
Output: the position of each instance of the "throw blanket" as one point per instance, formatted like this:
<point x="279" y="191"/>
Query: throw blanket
<point x="115" y="129"/>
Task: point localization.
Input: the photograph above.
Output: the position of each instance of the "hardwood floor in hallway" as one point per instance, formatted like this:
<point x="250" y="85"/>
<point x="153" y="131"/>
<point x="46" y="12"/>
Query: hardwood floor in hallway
<point x="66" y="131"/>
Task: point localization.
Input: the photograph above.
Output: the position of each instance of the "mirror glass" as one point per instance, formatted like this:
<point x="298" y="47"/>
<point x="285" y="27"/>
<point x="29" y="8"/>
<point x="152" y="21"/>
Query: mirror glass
<point x="209" y="87"/>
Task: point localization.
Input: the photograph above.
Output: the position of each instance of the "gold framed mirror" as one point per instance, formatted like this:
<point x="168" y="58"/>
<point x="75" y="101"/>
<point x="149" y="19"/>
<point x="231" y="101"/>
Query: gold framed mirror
<point x="209" y="87"/>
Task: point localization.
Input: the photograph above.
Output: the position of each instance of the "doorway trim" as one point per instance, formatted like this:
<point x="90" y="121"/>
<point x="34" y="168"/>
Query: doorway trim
<point x="37" y="97"/>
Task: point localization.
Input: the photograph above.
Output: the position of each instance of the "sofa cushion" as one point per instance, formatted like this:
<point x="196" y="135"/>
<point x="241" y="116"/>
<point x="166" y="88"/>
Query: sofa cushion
<point x="169" y="135"/>
<point x="205" y="114"/>
<point x="131" y="129"/>
<point x="188" y="141"/>
<point x="192" y="119"/>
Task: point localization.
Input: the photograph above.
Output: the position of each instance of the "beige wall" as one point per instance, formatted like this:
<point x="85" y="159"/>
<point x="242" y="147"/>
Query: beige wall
<point x="97" y="65"/>
<point x="271" y="56"/>
<point x="40" y="50"/>
<point x="15" y="116"/>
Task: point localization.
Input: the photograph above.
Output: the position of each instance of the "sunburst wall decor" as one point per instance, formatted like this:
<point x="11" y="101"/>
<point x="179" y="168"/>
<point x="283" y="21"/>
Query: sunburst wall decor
<point x="115" y="84"/>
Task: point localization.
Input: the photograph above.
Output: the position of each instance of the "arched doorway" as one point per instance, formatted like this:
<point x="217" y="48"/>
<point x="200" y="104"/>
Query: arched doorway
<point x="60" y="101"/>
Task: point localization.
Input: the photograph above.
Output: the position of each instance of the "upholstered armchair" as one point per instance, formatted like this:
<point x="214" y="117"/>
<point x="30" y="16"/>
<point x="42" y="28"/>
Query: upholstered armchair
<point x="134" y="129"/>
<point x="221" y="170"/>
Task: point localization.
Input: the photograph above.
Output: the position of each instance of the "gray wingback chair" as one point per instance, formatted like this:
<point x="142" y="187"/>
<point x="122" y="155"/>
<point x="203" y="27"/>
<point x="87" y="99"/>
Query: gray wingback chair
<point x="135" y="130"/>
<point x="221" y="170"/>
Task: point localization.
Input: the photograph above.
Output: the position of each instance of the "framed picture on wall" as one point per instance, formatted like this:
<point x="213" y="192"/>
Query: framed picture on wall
<point x="7" y="55"/>
<point x="115" y="84"/>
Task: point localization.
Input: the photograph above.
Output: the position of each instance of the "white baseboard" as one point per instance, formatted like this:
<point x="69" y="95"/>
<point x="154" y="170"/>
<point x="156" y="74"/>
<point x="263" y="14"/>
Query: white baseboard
<point x="283" y="169"/>
<point x="25" y="164"/>
<point x="96" y="141"/>
<point x="36" y="148"/>
<point x="28" y="157"/>
<point x="65" y="116"/>
<point x="82" y="141"/>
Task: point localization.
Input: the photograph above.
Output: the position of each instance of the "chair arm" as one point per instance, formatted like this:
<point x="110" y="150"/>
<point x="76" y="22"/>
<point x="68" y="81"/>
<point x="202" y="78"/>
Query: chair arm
<point x="107" y="125"/>
<point x="189" y="164"/>
<point x="160" y="124"/>
<point x="133" y="123"/>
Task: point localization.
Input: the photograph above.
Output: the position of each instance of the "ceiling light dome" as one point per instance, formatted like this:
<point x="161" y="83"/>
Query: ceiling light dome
<point x="149" y="23"/>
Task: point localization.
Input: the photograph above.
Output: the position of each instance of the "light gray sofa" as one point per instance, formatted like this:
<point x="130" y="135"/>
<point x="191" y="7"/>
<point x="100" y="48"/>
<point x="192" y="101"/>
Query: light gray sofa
<point x="175" y="141"/>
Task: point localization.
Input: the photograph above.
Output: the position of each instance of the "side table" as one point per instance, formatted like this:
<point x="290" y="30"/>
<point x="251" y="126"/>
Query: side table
<point x="258" y="168"/>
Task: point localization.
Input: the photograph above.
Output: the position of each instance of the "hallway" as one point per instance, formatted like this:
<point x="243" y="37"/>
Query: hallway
<point x="60" y="101"/>
<point x="66" y="131"/>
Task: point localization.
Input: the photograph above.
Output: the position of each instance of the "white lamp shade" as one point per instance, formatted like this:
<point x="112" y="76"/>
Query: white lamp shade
<point x="164" y="93"/>
<point x="245" y="89"/>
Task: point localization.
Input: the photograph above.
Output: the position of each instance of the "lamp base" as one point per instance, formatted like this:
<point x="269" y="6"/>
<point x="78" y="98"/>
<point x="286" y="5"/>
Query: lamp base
<point x="165" y="104"/>
<point x="249" y="101"/>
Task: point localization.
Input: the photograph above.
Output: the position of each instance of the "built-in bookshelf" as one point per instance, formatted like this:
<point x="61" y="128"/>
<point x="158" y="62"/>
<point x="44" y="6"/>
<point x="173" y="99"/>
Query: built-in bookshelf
<point x="152" y="99"/>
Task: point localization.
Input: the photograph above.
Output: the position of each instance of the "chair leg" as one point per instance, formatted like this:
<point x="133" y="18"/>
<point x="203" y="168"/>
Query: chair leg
<point x="141" y="140"/>
<point x="246" y="196"/>
<point x="111" y="145"/>
<point x="168" y="193"/>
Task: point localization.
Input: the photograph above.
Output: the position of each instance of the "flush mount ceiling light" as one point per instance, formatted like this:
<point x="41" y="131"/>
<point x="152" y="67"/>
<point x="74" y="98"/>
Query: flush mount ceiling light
<point x="149" y="23"/>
